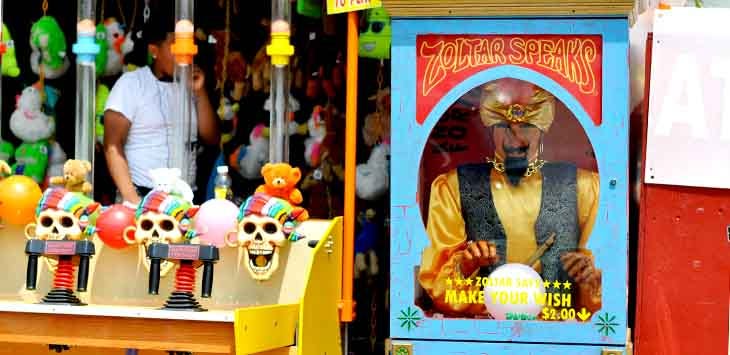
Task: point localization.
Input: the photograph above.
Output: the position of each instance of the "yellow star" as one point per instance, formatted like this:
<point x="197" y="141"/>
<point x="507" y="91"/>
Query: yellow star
<point x="468" y="282"/>
<point x="556" y="284"/>
<point x="449" y="282"/>
<point x="566" y="285"/>
<point x="547" y="284"/>
<point x="459" y="282"/>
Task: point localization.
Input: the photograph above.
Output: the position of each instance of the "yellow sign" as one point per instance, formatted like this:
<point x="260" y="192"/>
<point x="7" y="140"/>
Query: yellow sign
<point x="341" y="6"/>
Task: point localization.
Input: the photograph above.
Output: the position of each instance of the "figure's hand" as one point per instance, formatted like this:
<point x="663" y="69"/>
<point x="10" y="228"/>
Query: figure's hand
<point x="198" y="81"/>
<point x="581" y="268"/>
<point x="478" y="254"/>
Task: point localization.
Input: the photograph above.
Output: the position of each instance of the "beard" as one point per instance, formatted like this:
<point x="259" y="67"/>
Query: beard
<point x="515" y="168"/>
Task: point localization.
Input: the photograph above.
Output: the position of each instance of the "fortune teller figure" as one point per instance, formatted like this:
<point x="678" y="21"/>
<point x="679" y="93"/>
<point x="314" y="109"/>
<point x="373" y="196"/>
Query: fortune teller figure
<point x="501" y="211"/>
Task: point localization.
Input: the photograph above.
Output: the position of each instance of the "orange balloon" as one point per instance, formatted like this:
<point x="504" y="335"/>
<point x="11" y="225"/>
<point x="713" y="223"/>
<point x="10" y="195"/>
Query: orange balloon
<point x="19" y="196"/>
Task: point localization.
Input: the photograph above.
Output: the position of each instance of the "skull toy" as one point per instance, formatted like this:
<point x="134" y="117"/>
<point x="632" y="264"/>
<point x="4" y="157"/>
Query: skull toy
<point x="162" y="218"/>
<point x="265" y="223"/>
<point x="63" y="215"/>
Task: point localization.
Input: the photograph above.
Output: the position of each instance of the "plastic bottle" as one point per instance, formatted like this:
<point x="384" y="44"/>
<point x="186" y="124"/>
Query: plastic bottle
<point x="223" y="184"/>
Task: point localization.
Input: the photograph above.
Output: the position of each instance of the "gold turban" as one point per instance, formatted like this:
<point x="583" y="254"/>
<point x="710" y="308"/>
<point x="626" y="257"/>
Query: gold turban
<point x="514" y="101"/>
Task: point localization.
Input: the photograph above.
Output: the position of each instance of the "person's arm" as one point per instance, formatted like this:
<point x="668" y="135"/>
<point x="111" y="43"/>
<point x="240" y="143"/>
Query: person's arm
<point x="116" y="128"/>
<point x="445" y="257"/>
<point x="207" y="119"/>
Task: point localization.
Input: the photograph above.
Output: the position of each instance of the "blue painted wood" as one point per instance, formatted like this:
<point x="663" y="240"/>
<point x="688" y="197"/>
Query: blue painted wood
<point x="609" y="140"/>
<point x="474" y="348"/>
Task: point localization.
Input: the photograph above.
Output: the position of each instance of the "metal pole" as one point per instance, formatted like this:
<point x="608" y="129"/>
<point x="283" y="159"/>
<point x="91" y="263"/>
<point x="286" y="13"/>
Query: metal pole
<point x="280" y="50"/>
<point x="86" y="50"/>
<point x="184" y="49"/>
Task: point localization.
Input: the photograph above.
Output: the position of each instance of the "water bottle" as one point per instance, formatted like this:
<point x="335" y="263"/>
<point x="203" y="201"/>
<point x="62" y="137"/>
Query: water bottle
<point x="223" y="184"/>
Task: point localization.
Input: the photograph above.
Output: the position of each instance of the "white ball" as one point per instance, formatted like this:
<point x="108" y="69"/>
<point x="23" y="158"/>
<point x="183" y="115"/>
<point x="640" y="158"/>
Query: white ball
<point x="516" y="289"/>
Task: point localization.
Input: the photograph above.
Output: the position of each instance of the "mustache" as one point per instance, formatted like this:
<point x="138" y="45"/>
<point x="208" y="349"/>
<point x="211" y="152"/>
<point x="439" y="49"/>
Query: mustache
<point x="510" y="150"/>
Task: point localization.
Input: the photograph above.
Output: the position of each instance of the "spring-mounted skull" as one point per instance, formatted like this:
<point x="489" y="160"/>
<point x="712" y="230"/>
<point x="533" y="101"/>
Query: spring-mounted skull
<point x="265" y="223"/>
<point x="162" y="218"/>
<point x="63" y="215"/>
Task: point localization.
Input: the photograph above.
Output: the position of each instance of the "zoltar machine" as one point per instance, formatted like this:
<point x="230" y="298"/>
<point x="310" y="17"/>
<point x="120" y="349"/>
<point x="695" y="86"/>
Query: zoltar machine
<point x="509" y="220"/>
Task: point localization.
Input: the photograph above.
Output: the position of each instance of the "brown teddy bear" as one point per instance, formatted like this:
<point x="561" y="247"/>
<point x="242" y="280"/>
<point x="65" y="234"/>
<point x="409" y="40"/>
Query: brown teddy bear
<point x="280" y="181"/>
<point x="4" y="169"/>
<point x="74" y="176"/>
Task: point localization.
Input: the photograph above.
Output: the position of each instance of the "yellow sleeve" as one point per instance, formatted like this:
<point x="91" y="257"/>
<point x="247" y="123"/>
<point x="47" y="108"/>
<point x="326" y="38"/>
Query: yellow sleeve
<point x="588" y="192"/>
<point x="588" y="187"/>
<point x="447" y="234"/>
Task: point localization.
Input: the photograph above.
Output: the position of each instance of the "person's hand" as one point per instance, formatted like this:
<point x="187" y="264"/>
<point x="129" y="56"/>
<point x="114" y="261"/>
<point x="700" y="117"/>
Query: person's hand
<point x="478" y="254"/>
<point x="581" y="269"/>
<point x="198" y="81"/>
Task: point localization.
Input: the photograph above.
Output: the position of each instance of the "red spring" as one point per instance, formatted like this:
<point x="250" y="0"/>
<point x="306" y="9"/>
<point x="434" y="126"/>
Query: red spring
<point x="64" y="277"/>
<point x="185" y="278"/>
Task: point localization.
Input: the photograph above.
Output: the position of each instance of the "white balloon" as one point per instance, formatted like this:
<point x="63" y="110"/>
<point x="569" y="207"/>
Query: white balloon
<point x="514" y="288"/>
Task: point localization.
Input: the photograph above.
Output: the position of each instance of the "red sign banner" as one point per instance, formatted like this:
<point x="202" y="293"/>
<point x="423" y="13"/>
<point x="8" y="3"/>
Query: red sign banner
<point x="573" y="61"/>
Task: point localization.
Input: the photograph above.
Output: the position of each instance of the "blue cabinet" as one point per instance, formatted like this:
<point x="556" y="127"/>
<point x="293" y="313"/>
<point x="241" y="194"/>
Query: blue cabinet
<point x="509" y="163"/>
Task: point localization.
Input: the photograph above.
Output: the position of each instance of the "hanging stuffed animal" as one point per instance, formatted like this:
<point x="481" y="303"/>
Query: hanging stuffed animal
<point x="261" y="71"/>
<point x="248" y="160"/>
<point x="227" y="112"/>
<point x="10" y="62"/>
<point x="114" y="54"/>
<point x="48" y="45"/>
<point x="366" y="259"/>
<point x="317" y="131"/>
<point x="102" y="56"/>
<point x="34" y="128"/>
<point x="102" y="94"/>
<point x="373" y="177"/>
<point x="375" y="40"/>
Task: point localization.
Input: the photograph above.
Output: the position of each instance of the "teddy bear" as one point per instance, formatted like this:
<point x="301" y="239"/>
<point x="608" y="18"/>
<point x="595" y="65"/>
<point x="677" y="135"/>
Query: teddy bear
<point x="74" y="176"/>
<point x="317" y="128"/>
<point x="280" y="181"/>
<point x="4" y="169"/>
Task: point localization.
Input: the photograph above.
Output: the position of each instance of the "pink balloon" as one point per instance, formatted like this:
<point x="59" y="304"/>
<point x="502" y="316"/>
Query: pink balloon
<point x="214" y="220"/>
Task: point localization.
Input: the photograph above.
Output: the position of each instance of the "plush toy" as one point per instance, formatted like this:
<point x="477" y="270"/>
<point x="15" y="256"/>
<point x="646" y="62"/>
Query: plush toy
<point x="102" y="94"/>
<point x="366" y="259"/>
<point x="34" y="128"/>
<point x="237" y="69"/>
<point x="248" y="160"/>
<point x="261" y="71"/>
<point x="48" y="44"/>
<point x="6" y="150"/>
<point x="227" y="113"/>
<point x="114" y="36"/>
<point x="373" y="177"/>
<point x="170" y="181"/>
<point x="4" y="169"/>
<point x="376" y="127"/>
<point x="102" y="56"/>
<point x="317" y="131"/>
<point x="280" y="181"/>
<point x="10" y="62"/>
<point x="375" y="40"/>
<point x="56" y="161"/>
<point x="74" y="176"/>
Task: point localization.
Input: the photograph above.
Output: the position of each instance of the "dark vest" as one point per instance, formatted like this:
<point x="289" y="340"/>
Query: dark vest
<point x="558" y="213"/>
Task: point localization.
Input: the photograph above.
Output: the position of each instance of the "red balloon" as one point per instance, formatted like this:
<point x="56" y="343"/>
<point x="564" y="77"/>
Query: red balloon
<point x="111" y="224"/>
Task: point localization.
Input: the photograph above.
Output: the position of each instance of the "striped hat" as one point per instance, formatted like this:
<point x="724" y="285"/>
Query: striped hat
<point x="77" y="204"/>
<point x="171" y="205"/>
<point x="281" y="210"/>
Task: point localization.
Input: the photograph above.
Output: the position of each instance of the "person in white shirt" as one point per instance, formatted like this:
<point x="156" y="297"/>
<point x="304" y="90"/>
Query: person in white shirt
<point x="138" y="115"/>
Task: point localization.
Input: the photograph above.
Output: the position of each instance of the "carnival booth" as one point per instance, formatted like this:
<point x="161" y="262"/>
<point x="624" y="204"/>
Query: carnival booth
<point x="167" y="274"/>
<point x="510" y="145"/>
<point x="682" y="280"/>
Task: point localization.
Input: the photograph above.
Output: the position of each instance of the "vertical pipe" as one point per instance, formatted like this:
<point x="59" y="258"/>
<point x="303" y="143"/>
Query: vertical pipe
<point x="348" y="306"/>
<point x="184" y="49"/>
<point x="2" y="52"/>
<point x="280" y="50"/>
<point x="86" y="50"/>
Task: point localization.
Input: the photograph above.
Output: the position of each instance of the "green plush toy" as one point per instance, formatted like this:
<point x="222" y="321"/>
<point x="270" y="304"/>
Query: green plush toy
<point x="101" y="57"/>
<point x="49" y="48"/>
<point x="10" y="63"/>
<point x="6" y="151"/>
<point x="102" y="93"/>
<point x="375" y="39"/>
<point x="34" y="128"/>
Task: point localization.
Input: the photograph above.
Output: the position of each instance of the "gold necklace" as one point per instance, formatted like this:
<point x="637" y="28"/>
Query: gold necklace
<point x="532" y="168"/>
